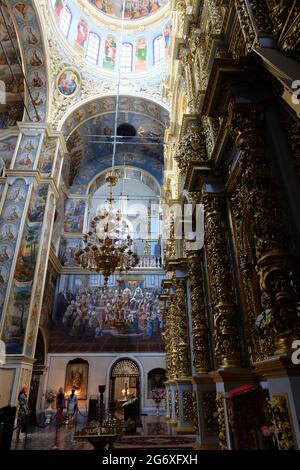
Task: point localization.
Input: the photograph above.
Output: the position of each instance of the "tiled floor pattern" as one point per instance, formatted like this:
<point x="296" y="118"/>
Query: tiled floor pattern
<point x="155" y="432"/>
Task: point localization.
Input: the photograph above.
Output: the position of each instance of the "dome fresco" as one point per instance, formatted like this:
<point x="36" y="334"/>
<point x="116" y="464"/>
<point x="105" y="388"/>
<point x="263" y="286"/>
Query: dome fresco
<point x="98" y="41"/>
<point x="134" y="9"/>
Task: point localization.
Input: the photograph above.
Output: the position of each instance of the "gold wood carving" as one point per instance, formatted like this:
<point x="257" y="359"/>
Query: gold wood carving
<point x="280" y="408"/>
<point x="195" y="411"/>
<point x="176" y="404"/>
<point x="221" y="422"/>
<point x="226" y="336"/>
<point x="199" y="321"/>
<point x="256" y="195"/>
<point x="191" y="147"/>
<point x="210" y="413"/>
<point x="187" y="404"/>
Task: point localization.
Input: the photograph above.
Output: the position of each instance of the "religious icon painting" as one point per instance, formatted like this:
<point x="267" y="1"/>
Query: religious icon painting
<point x="77" y="377"/>
<point x="68" y="82"/>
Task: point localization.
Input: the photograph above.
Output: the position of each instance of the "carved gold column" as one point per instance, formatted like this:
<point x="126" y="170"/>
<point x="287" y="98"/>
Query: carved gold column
<point x="199" y="321"/>
<point x="183" y="366"/>
<point x="226" y="336"/>
<point x="256" y="198"/>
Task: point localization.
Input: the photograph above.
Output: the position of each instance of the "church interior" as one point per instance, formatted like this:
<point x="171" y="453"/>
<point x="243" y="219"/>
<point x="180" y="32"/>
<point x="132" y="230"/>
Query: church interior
<point x="149" y="224"/>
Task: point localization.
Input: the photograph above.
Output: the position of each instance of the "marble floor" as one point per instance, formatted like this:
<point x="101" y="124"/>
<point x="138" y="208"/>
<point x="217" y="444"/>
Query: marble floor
<point x="154" y="432"/>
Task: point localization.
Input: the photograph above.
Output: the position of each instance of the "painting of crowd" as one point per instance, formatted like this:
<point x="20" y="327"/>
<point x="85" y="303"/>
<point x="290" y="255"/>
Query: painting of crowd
<point x="98" y="311"/>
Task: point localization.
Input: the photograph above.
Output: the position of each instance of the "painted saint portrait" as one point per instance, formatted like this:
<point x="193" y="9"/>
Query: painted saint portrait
<point x="59" y="6"/>
<point x="77" y="377"/>
<point x="68" y="82"/>
<point x="110" y="50"/>
<point x="35" y="58"/>
<point x="82" y="32"/>
<point x="74" y="215"/>
<point x="134" y="9"/>
<point x="37" y="79"/>
<point x="141" y="54"/>
<point x="167" y="34"/>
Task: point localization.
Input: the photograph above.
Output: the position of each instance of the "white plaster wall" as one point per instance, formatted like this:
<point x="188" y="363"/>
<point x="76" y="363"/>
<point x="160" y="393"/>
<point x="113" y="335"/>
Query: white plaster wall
<point x="99" y="372"/>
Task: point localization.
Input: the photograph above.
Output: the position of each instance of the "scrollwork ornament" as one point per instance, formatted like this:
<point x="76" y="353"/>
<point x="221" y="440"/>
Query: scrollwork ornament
<point x="258" y="198"/>
<point x="280" y="409"/>
<point x="199" y="321"/>
<point x="187" y="405"/>
<point x="190" y="148"/>
<point x="221" y="421"/>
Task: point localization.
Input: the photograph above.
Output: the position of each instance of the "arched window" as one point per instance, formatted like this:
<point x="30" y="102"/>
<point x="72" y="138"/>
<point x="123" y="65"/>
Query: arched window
<point x="65" y="20"/>
<point x="92" y="48"/>
<point x="158" y="49"/>
<point x="126" y="57"/>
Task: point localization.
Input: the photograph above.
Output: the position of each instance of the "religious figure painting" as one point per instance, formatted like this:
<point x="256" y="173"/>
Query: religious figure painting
<point x="68" y="248"/>
<point x="110" y="49"/>
<point x="27" y="255"/>
<point x="141" y="54"/>
<point x="37" y="79"/>
<point x="82" y="32"/>
<point x="74" y="215"/>
<point x="31" y="35"/>
<point x="167" y="34"/>
<point x="68" y="82"/>
<point x="77" y="377"/>
<point x="126" y="313"/>
<point x="47" y="157"/>
<point x="37" y="204"/>
<point x="59" y="6"/>
<point x="24" y="11"/>
<point x="35" y="57"/>
<point x="134" y="9"/>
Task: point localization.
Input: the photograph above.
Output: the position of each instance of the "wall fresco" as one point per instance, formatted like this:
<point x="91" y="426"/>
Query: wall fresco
<point x="33" y="323"/>
<point x="110" y="51"/>
<point x="27" y="151"/>
<point x="10" y="220"/>
<point x="11" y="110"/>
<point x="134" y="9"/>
<point x="21" y="289"/>
<point x="141" y="54"/>
<point x="74" y="215"/>
<point x="85" y="316"/>
<point x="67" y="250"/>
<point x="7" y="148"/>
<point x="47" y="156"/>
<point x="33" y="52"/>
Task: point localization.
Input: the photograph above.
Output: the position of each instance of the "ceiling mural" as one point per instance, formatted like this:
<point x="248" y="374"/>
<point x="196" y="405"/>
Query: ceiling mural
<point x="12" y="83"/>
<point x="77" y="24"/>
<point x="89" y="134"/>
<point x="134" y="9"/>
<point x="33" y="51"/>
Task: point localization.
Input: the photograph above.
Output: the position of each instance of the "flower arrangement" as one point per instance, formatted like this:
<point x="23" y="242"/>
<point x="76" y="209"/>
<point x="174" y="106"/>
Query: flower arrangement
<point x="50" y="395"/>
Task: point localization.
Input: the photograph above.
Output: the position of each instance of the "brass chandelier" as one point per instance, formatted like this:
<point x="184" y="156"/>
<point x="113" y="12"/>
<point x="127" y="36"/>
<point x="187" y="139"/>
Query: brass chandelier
<point x="108" y="244"/>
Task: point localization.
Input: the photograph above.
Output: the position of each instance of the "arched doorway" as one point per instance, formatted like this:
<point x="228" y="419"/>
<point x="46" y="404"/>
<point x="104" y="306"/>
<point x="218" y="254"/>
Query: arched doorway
<point x="124" y="383"/>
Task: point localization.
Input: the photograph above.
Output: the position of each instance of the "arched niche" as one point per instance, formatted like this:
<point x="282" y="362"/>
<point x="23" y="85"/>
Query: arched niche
<point x="125" y="381"/>
<point x="155" y="380"/>
<point x="32" y="62"/>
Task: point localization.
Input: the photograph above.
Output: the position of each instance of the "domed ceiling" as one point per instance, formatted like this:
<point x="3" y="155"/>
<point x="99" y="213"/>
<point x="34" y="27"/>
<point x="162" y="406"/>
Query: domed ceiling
<point x="134" y="9"/>
<point x="89" y="133"/>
